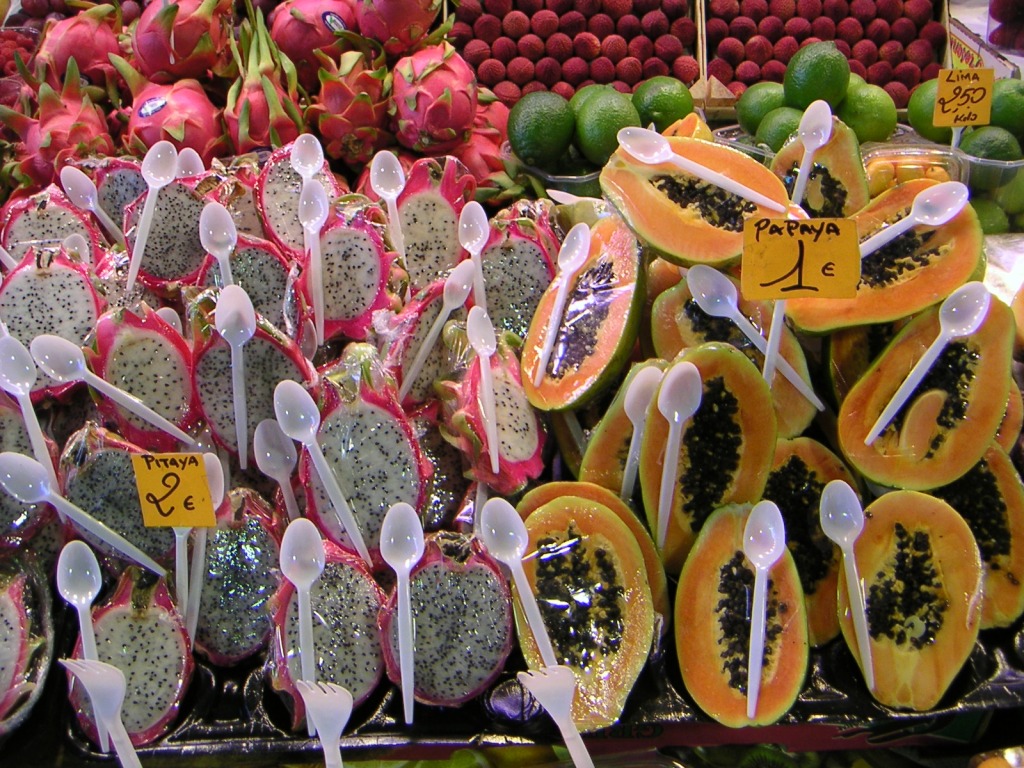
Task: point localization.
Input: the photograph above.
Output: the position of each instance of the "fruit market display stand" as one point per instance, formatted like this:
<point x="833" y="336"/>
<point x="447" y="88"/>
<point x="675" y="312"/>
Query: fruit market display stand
<point x="973" y="14"/>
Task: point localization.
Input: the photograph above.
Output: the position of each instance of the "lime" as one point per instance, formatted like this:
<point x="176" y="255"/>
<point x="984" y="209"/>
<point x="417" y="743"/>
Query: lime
<point x="870" y="112"/>
<point x="540" y="128"/>
<point x="777" y="126"/>
<point x="856" y="81"/>
<point x="993" y="218"/>
<point x="990" y="143"/>
<point x="920" y="109"/>
<point x="662" y="100"/>
<point x="598" y="123"/>
<point x="818" y="71"/>
<point x="1008" y="106"/>
<point x="1011" y="196"/>
<point x="756" y="102"/>
<point x="583" y="94"/>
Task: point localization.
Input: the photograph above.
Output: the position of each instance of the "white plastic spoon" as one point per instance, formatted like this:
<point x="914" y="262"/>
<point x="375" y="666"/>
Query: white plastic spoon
<point x="401" y="546"/>
<point x="159" y="168"/>
<point x="574" y="251"/>
<point x="7" y="260"/>
<point x="215" y="482"/>
<point x="25" y="479"/>
<point x="181" y="572"/>
<point x="329" y="707"/>
<point x="170" y="316"/>
<point x="236" y="323"/>
<point x="481" y="338"/>
<point x="189" y="163"/>
<point x="79" y="580"/>
<point x="679" y="398"/>
<point x="504" y="534"/>
<point x="387" y="179"/>
<point x="63" y="360"/>
<point x="307" y="156"/>
<point x="218" y="234"/>
<point x="638" y="398"/>
<point x="932" y="207"/>
<point x="474" y="229"/>
<point x="276" y="457"/>
<point x="842" y="520"/>
<point x="457" y="286"/>
<point x="81" y="191"/>
<point x="554" y="687"/>
<point x="651" y="147"/>
<point x="106" y="685"/>
<point x="716" y="295"/>
<point x="764" y="541"/>
<point x="77" y="244"/>
<point x="17" y="377"/>
<point x="313" y="211"/>
<point x="960" y="315"/>
<point x="299" y="418"/>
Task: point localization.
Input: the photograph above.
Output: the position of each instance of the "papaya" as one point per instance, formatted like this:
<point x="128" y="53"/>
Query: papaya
<point x="725" y="453"/>
<point x="1013" y="419"/>
<point x="591" y="585"/>
<point x="951" y="417"/>
<point x="685" y="219"/>
<point x="921" y="573"/>
<point x="916" y="270"/>
<point x="837" y="186"/>
<point x="712" y="626"/>
<point x="677" y="322"/>
<point x="1017" y="305"/>
<point x="598" y="325"/>
<point x="691" y="125"/>
<point x="850" y="352"/>
<point x="656" y="580"/>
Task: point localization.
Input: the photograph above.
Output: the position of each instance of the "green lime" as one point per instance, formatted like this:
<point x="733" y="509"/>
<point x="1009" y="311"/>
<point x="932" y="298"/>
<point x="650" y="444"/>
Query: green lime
<point x="993" y="218"/>
<point x="662" y="100"/>
<point x="1011" y="196"/>
<point x="599" y="121"/>
<point x="756" y="102"/>
<point x="777" y="126"/>
<point x="990" y="143"/>
<point x="1008" y="106"/>
<point x="1017" y="225"/>
<point x="870" y="112"/>
<point x="540" y="128"/>
<point x="920" y="109"/>
<point x="856" y="81"/>
<point x="818" y="71"/>
<point x="583" y="94"/>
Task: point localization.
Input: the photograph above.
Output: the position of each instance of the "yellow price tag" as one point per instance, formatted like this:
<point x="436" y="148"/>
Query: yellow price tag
<point x="173" y="490"/>
<point x="964" y="97"/>
<point x="799" y="259"/>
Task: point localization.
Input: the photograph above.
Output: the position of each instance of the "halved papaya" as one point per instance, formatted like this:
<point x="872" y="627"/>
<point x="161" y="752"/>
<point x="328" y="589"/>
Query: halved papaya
<point x="712" y="626"/>
<point x="591" y="585"/>
<point x="656" y="579"/>
<point x="691" y="125"/>
<point x="851" y="352"/>
<point x="1013" y="419"/>
<point x="921" y="574"/>
<point x="914" y="271"/>
<point x="951" y="418"/>
<point x="599" y="322"/>
<point x="726" y="449"/>
<point x="685" y="219"/>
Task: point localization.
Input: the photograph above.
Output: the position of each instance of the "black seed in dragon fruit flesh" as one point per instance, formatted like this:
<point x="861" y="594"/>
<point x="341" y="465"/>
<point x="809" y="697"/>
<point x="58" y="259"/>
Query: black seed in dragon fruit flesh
<point x="42" y="222"/>
<point x="174" y="252"/>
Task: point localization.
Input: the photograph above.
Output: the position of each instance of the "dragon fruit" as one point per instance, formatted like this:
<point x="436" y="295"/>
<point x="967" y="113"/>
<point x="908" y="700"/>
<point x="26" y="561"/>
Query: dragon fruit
<point x="370" y="446"/>
<point x="87" y="37"/>
<point x="141" y="354"/>
<point x="258" y="266"/>
<point x="241" y="575"/>
<point x="16" y="644"/>
<point x="447" y="484"/>
<point x="462" y="609"/>
<point x="350" y="108"/>
<point x="140" y="632"/>
<point x="118" y="182"/>
<point x="18" y="522"/>
<point x="300" y="28"/>
<point x="42" y="221"/>
<point x="398" y="25"/>
<point x="186" y="38"/>
<point x="482" y="153"/>
<point x="235" y="192"/>
<point x="345" y="603"/>
<point x="433" y="99"/>
<point x="521" y="435"/>
<point x="363" y="187"/>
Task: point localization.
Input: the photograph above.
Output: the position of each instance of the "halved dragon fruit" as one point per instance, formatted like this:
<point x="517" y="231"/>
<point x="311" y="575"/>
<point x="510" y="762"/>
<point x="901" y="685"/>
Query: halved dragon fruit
<point x="258" y="266"/>
<point x="140" y="632"/>
<point x="18" y="521"/>
<point x="16" y="644"/>
<point x="462" y="613"/>
<point x="118" y="182"/>
<point x="142" y="354"/>
<point x="345" y="602"/>
<point x="370" y="446"/>
<point x="448" y="483"/>
<point x="241" y="575"/>
<point x="236" y="193"/>
<point x="42" y="221"/>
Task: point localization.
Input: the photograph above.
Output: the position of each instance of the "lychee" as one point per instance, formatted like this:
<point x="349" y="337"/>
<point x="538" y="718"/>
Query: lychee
<point x="843" y="47"/>
<point x="490" y="72"/>
<point x="601" y="25"/>
<point x="487" y="28"/>
<point x="529" y="7"/>
<point x="547" y="71"/>
<point x="908" y="73"/>
<point x="476" y="52"/>
<point x="810" y="41"/>
<point x="742" y="28"/>
<point x="508" y="93"/>
<point x="520" y="70"/>
<point x="920" y="52"/>
<point x="686" y="69"/>
<point x="640" y="7"/>
<point x="558" y="46"/>
<point x="863" y="11"/>
<point x="823" y="28"/>
<point x="533" y="86"/>
<point x="754" y="9"/>
<point x="685" y="30"/>
<point x="572" y="23"/>
<point x="575" y="70"/>
<point x="725" y="9"/>
<point x="879" y="73"/>
<point x="602" y="70"/>
<point x="629" y="70"/>
<point x="850" y="30"/>
<point x="628" y="26"/>
<point x="798" y="27"/>
<point x="758" y="49"/>
<point x="931" y="71"/>
<point x="808" y="9"/>
<point x="716" y="30"/>
<point x="640" y="48"/>
<point x="835" y="9"/>
<point x="616" y="9"/>
<point x="468" y="11"/>
<point x="587" y="7"/>
<point x="563" y="89"/>
<point x="544" y="23"/>
<point x="784" y="10"/>
<point x="674" y="9"/>
<point x="731" y="50"/>
<point x="586" y="46"/>
<point x="737" y="88"/>
<point x="935" y="33"/>
<point x="614" y="47"/>
<point x="784" y="49"/>
<point x="770" y="27"/>
<point x="721" y="70"/>
<point x="560" y="7"/>
<point x="918" y="11"/>
<point x="877" y="31"/>
<point x="748" y="72"/>
<point x="654" y="67"/>
<point x="497" y="7"/>
<point x="461" y="33"/>
<point x="668" y="48"/>
<point x="890" y="10"/>
<point x="856" y="68"/>
<point x="891" y="52"/>
<point x="899" y="92"/>
<point x="773" y="71"/>
<point x="530" y="46"/>
<point x="865" y="52"/>
<point x="903" y="31"/>
<point x="654" y="23"/>
<point x="504" y="49"/>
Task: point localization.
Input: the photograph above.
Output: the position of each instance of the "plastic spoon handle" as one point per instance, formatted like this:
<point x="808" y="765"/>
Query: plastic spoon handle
<point x="722" y="181"/>
<point x="916" y="375"/>
<point x="553" y="325"/>
<point x="533" y="615"/>
<point x="136" y="406"/>
<point x="806" y="163"/>
<point x="88" y="636"/>
<point x="316" y="279"/>
<point x="860" y="621"/>
<point x="344" y="511"/>
<point x="632" y="464"/>
<point x="241" y="409"/>
<point x="126" y="754"/>
<point x="771" y="352"/>
<point x="306" y="650"/>
<point x="405" y="644"/>
<point x="479" y="289"/>
<point x="490" y="411"/>
<point x="886" y="236"/>
<point x="782" y="363"/>
<point x="668" y="480"/>
<point x="90" y="524"/>
<point x="195" y="587"/>
<point x="290" y="502"/>
<point x="395" y="226"/>
<point x="139" y="249"/>
<point x="35" y="436"/>
<point x="574" y="743"/>
<point x="755" y="652"/>
<point x="181" y="573"/>
<point x="7" y="259"/>
<point x="421" y="354"/>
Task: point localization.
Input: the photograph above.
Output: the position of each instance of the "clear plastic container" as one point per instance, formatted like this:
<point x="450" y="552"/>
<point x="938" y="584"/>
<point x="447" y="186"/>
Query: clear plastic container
<point x="1002" y="182"/>
<point x="889" y="164"/>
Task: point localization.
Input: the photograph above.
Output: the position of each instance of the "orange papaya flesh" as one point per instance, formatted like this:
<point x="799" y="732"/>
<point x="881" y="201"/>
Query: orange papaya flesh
<point x="922" y="578"/>
<point x="913" y="272"/>
<point x="1013" y="419"/>
<point x="712" y="626"/>
<point x="949" y="420"/>
<point x="851" y="352"/>
<point x="690" y="125"/>
<point x="685" y="219"/>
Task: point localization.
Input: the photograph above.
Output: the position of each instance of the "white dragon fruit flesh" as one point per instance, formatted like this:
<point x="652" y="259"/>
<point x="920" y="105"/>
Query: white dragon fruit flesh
<point x="462" y="615"/>
<point x="19" y="522"/>
<point x="17" y="644"/>
<point x="448" y="483"/>
<point x="140" y="632"/>
<point x="346" y="603"/>
<point x="118" y="182"/>
<point x="43" y="221"/>
<point x="262" y="270"/>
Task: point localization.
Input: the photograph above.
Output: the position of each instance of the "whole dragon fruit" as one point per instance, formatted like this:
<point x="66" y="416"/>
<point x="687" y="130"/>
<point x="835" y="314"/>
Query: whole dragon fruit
<point x="462" y="611"/>
<point x="397" y="24"/>
<point x="350" y="109"/>
<point x="433" y="99"/>
<point x="87" y="37"/>
<point x="182" y="39"/>
<point x="300" y="28"/>
<point x="482" y="152"/>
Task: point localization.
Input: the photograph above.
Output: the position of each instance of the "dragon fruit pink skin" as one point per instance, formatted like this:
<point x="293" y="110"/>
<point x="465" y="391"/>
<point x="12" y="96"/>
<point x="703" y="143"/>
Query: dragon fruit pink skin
<point x="140" y="632"/>
<point x="187" y="38"/>
<point x="42" y="221"/>
<point x="482" y="152"/>
<point x="433" y="99"/>
<point x="397" y="24"/>
<point x="300" y="28"/>
<point x="87" y="37"/>
<point x="15" y="646"/>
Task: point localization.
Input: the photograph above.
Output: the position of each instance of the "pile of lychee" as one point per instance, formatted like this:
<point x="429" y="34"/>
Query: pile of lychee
<point x="520" y="46"/>
<point x="1006" y="28"/>
<point x="894" y="44"/>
